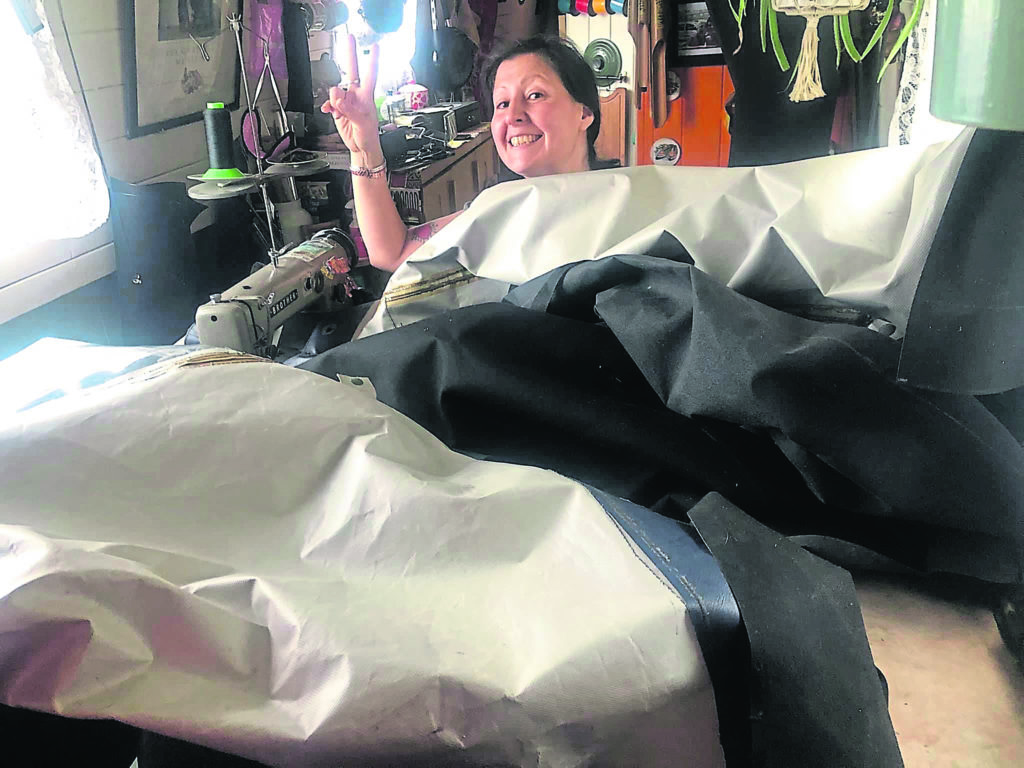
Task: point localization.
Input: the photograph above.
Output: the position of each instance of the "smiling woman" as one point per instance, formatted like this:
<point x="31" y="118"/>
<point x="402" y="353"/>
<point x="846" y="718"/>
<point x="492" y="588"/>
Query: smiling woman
<point x="547" y="113"/>
<point x="546" y="120"/>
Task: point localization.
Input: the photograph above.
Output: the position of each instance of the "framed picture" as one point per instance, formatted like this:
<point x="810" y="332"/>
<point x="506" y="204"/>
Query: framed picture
<point x="694" y="41"/>
<point x="177" y="55"/>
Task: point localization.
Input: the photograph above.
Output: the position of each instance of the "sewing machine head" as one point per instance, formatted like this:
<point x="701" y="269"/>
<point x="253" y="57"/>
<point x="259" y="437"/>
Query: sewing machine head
<point x="315" y="275"/>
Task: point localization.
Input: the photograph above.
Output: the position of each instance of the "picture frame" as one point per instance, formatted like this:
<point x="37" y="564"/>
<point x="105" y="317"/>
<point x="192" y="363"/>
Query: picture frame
<point x="694" y="41"/>
<point x="177" y="55"/>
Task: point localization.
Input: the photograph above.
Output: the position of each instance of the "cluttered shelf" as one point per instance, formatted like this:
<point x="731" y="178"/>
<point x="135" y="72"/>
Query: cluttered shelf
<point x="432" y="185"/>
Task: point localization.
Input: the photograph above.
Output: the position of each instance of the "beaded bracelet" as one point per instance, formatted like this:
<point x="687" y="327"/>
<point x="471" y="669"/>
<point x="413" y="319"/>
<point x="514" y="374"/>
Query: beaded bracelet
<point x="369" y="173"/>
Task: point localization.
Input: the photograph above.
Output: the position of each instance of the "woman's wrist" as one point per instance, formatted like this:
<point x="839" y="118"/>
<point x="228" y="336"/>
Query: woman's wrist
<point x="364" y="170"/>
<point x="377" y="172"/>
<point x="368" y="158"/>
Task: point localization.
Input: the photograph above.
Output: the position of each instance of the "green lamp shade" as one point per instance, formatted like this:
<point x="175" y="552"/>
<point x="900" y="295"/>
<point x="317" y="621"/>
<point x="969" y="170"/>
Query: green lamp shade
<point x="978" y="74"/>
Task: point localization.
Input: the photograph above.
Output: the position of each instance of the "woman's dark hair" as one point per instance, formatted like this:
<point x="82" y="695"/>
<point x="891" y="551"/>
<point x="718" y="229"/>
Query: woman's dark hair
<point x="574" y="72"/>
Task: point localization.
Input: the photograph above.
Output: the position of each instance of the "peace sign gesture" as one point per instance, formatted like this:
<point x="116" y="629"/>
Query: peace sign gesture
<point x="353" y="108"/>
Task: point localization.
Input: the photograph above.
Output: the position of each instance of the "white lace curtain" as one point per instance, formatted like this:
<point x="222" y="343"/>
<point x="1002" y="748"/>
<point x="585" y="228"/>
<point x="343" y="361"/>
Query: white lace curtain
<point x="912" y="122"/>
<point x="53" y="182"/>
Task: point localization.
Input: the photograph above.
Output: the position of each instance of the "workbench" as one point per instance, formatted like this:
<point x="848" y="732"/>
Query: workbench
<point x="446" y="185"/>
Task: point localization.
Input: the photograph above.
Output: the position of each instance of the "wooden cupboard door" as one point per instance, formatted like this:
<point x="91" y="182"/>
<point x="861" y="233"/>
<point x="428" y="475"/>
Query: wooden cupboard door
<point x="611" y="141"/>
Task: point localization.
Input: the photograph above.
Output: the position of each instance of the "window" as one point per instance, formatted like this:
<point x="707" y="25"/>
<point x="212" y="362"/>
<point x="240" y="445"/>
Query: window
<point x="53" y="182"/>
<point x="396" y="48"/>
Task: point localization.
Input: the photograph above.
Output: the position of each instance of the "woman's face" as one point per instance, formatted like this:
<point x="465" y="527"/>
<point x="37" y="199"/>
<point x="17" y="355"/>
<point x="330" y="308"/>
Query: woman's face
<point x="537" y="126"/>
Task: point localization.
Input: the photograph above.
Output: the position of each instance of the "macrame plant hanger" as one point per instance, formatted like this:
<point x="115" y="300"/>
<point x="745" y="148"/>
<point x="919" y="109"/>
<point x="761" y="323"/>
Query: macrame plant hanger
<point x="807" y="79"/>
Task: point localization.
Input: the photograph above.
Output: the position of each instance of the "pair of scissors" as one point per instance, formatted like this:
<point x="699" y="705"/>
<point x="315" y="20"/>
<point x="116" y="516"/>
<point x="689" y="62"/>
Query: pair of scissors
<point x="252" y="123"/>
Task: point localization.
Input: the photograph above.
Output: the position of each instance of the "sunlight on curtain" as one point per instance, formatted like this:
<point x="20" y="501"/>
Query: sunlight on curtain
<point x="913" y="122"/>
<point x="53" y="184"/>
<point x="396" y="48"/>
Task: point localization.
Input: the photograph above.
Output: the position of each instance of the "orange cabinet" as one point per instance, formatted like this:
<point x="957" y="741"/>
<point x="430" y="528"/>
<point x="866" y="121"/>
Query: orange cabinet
<point x="697" y="121"/>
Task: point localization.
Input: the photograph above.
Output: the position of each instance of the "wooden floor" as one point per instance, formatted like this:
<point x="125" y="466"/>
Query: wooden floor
<point x="956" y="695"/>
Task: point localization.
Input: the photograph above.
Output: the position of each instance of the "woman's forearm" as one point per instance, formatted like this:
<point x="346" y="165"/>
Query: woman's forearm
<point x="382" y="229"/>
<point x="388" y="241"/>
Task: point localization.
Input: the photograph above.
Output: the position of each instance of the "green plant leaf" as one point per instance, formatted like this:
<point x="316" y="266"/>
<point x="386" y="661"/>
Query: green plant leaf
<point x="773" y="27"/>
<point x="839" y="45"/>
<point x="765" y="5"/>
<point x="915" y="15"/>
<point x="847" y="35"/>
<point x="882" y="26"/>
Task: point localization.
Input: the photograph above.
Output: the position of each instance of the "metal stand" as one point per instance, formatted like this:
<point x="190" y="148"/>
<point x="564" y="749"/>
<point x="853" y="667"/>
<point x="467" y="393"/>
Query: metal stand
<point x="235" y="20"/>
<point x="267" y="172"/>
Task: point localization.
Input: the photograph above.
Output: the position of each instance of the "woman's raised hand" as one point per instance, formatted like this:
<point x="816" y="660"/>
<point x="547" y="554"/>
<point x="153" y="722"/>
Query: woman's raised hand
<point x="353" y="108"/>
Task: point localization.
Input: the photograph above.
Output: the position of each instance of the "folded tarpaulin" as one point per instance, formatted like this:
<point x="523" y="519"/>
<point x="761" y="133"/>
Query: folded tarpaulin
<point x="261" y="561"/>
<point x="852" y="229"/>
<point x="257" y="559"/>
<point x="647" y="378"/>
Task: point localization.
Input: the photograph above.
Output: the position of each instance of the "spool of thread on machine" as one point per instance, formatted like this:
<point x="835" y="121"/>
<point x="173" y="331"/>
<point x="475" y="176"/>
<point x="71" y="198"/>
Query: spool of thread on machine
<point x="219" y="143"/>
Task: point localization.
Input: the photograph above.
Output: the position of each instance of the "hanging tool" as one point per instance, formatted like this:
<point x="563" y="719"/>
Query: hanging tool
<point x="235" y="20"/>
<point x="202" y="47"/>
<point x="252" y="133"/>
<point x="659" y="79"/>
<point x="639" y="14"/>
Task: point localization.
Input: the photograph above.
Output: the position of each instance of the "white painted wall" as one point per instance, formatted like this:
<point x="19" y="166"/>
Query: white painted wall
<point x="582" y="29"/>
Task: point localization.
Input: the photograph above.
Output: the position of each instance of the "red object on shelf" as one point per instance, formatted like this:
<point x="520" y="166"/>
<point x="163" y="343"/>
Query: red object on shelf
<point x="697" y="120"/>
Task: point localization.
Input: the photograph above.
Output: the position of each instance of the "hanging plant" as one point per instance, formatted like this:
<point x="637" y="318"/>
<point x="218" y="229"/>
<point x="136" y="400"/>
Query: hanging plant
<point x="806" y="80"/>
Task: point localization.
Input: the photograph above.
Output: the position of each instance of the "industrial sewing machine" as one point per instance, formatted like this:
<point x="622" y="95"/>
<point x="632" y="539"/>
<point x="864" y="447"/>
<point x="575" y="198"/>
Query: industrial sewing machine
<point x="316" y="275"/>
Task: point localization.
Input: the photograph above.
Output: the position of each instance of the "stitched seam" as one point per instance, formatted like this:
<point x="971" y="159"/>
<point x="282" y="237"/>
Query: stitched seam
<point x="668" y="564"/>
<point x="659" y="576"/>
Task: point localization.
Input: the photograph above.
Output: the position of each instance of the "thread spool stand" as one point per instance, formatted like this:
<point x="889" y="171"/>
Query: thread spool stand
<point x="218" y="186"/>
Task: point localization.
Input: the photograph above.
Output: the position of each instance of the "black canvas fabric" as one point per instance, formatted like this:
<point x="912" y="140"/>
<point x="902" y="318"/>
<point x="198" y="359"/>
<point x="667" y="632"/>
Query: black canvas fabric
<point x="967" y="319"/>
<point x="647" y="379"/>
<point x="52" y="741"/>
<point x="502" y="382"/>
<point x="829" y="388"/>
<point x="810" y="660"/>
<point x="42" y="739"/>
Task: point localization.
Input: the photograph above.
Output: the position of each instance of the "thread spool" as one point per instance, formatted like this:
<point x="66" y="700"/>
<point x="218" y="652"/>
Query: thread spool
<point x="219" y="141"/>
<point x="616" y="6"/>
